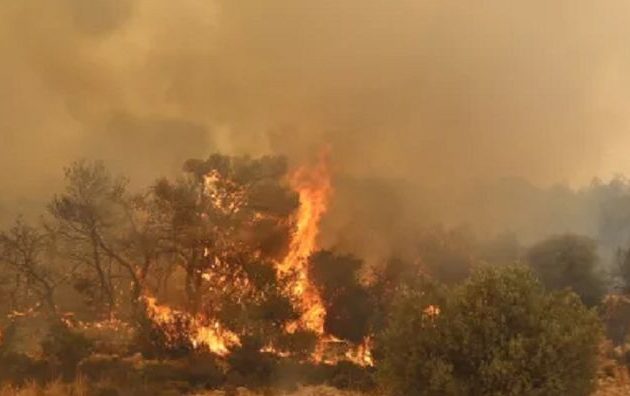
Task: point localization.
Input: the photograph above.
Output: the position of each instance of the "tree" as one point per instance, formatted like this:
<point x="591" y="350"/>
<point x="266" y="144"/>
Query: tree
<point x="499" y="333"/>
<point x="82" y="215"/>
<point x="226" y="223"/>
<point x="24" y="253"/>
<point x="348" y="304"/>
<point x="568" y="261"/>
<point x="111" y="235"/>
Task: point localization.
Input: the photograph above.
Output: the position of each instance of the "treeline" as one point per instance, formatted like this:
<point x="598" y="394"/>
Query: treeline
<point x="463" y="317"/>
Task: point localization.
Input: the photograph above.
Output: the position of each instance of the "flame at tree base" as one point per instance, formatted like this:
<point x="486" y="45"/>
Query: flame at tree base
<point x="205" y="333"/>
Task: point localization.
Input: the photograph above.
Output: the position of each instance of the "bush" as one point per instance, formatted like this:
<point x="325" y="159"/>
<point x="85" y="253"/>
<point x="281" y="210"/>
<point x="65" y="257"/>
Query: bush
<point x="170" y="339"/>
<point x="499" y="333"/>
<point x="249" y="367"/>
<point x="66" y="348"/>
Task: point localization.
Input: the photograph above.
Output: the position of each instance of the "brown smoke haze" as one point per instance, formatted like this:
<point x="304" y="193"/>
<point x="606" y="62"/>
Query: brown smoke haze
<point x="421" y="102"/>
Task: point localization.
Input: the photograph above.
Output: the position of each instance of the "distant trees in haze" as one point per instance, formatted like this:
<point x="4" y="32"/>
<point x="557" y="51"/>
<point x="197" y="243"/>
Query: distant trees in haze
<point x="569" y="261"/>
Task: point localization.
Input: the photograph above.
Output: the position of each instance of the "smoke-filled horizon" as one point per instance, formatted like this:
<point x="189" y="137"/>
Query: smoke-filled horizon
<point x="420" y="102"/>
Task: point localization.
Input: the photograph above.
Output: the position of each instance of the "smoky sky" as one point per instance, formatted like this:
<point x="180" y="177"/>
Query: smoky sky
<point x="436" y="94"/>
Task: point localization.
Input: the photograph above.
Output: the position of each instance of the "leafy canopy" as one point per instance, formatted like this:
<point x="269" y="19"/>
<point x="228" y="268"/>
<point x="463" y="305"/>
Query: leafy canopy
<point x="499" y="333"/>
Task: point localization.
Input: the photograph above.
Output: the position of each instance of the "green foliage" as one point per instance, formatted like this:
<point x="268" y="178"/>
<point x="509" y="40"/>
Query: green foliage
<point x="209" y="242"/>
<point x="568" y="261"/>
<point x="499" y="333"/>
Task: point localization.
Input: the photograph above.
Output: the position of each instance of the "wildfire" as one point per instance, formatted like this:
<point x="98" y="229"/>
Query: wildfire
<point x="362" y="354"/>
<point x="314" y="188"/>
<point x="313" y="185"/>
<point x="212" y="336"/>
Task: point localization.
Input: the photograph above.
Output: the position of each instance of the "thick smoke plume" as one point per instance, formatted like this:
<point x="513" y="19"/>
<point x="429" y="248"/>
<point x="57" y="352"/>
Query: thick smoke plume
<point x="424" y="105"/>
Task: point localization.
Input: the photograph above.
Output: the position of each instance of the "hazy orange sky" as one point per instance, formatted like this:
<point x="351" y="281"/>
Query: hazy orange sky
<point x="436" y="92"/>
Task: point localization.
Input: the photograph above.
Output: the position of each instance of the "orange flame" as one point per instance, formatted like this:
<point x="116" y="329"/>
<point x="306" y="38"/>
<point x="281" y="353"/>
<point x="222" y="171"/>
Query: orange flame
<point x="362" y="354"/>
<point x="211" y="336"/>
<point x="314" y="188"/>
<point x="313" y="185"/>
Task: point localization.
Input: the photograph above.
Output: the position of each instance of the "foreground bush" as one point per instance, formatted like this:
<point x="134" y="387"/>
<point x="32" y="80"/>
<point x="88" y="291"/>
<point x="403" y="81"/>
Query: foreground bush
<point x="499" y="333"/>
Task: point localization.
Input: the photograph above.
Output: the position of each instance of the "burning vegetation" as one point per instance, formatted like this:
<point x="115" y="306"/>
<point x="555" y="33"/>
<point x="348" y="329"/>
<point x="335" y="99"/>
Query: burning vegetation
<point x="216" y="279"/>
<point x="221" y="262"/>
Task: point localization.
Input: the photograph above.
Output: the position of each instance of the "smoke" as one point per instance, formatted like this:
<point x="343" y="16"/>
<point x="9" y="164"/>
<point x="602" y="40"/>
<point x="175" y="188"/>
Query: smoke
<point x="420" y="102"/>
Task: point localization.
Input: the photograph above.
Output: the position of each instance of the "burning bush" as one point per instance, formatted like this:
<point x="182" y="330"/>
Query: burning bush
<point x="165" y="336"/>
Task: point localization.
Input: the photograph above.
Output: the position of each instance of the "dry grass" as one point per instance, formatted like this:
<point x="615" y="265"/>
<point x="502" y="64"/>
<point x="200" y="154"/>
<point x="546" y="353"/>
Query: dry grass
<point x="614" y="381"/>
<point x="303" y="391"/>
<point x="79" y="388"/>
<point x="617" y="385"/>
<point x="55" y="388"/>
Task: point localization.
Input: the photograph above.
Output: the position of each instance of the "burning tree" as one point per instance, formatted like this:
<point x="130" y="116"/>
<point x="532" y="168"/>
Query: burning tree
<point x="214" y="261"/>
<point x="241" y="231"/>
<point x="226" y="224"/>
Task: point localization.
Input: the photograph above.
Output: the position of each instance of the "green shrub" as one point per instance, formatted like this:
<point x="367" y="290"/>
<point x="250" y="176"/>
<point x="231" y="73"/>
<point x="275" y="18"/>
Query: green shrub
<point x="499" y="333"/>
